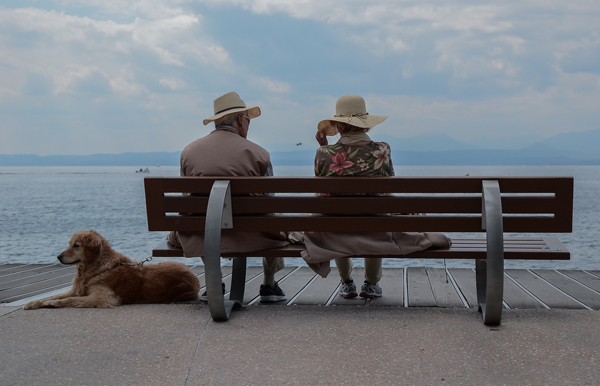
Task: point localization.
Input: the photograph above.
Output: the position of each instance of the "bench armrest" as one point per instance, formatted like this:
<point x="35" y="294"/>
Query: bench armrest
<point x="490" y="272"/>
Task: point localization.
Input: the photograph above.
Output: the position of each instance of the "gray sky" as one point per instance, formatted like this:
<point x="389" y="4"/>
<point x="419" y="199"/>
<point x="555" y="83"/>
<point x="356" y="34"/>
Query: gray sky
<point x="113" y="76"/>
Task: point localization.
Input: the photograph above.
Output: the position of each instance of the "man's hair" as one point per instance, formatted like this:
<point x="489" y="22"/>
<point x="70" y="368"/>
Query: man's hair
<point x="227" y="120"/>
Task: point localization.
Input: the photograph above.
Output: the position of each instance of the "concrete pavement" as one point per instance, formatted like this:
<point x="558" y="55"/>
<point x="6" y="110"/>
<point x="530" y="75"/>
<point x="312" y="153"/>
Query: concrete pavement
<point x="179" y="344"/>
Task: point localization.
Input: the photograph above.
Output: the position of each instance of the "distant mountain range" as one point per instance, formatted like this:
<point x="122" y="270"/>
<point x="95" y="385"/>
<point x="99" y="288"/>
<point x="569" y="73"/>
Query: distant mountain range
<point x="580" y="148"/>
<point x="123" y="159"/>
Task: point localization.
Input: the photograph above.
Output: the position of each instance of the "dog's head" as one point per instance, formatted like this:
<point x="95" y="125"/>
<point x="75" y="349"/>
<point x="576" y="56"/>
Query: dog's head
<point x="84" y="248"/>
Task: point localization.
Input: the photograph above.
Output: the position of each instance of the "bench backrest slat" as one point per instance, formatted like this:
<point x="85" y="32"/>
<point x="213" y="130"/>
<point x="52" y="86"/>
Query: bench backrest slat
<point x="361" y="205"/>
<point x="370" y="185"/>
<point x="452" y="204"/>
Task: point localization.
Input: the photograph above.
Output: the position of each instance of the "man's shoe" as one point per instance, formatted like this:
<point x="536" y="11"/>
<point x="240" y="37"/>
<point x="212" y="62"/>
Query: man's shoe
<point x="348" y="290"/>
<point x="270" y="294"/>
<point x="204" y="298"/>
<point x="370" y="291"/>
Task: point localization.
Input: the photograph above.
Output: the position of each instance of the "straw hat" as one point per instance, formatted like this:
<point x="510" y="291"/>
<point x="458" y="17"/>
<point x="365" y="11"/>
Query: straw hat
<point x="350" y="109"/>
<point x="228" y="104"/>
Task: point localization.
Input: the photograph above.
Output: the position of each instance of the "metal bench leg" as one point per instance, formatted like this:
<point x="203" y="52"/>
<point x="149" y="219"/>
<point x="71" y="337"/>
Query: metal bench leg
<point x="218" y="216"/>
<point x="238" y="280"/>
<point x="490" y="272"/>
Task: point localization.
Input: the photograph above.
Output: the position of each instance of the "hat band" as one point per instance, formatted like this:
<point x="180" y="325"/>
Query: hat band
<point x="230" y="108"/>
<point x="351" y="115"/>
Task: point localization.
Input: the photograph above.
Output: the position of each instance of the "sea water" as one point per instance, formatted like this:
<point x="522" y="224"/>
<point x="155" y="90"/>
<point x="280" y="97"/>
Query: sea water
<point x="40" y="207"/>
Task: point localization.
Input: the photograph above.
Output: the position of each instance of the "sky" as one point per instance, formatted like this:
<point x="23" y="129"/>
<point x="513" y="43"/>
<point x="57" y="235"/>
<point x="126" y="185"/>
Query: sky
<point x="111" y="76"/>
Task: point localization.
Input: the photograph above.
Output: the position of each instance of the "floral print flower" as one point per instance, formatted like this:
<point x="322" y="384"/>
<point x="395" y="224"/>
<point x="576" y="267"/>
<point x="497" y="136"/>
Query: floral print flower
<point x="362" y="164"/>
<point x="382" y="155"/>
<point x="339" y="163"/>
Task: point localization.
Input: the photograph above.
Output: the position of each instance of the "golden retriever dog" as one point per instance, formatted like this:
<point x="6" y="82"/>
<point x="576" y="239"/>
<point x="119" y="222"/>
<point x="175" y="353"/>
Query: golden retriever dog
<point x="106" y="278"/>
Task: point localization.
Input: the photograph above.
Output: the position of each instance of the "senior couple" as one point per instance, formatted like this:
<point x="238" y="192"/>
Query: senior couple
<point x="353" y="154"/>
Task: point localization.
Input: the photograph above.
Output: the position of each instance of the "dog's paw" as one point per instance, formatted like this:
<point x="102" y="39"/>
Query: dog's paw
<point x="33" y="305"/>
<point x="51" y="304"/>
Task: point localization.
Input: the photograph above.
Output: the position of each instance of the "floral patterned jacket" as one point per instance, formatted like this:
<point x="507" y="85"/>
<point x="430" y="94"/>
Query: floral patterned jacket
<point x="372" y="159"/>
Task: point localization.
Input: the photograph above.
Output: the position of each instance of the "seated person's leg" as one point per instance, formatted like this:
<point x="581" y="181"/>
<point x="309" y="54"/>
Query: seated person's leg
<point x="271" y="265"/>
<point x="373" y="269"/>
<point x="348" y="288"/>
<point x="270" y="291"/>
<point x="370" y="289"/>
<point x="344" y="266"/>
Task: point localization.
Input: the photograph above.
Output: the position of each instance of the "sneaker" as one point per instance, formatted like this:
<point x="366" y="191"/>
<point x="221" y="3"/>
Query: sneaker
<point x="204" y="297"/>
<point x="270" y="294"/>
<point x="371" y="291"/>
<point x="348" y="290"/>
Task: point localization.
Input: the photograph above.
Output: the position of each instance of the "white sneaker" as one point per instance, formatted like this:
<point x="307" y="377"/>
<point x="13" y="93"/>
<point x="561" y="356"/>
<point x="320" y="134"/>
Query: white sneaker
<point x="348" y="290"/>
<point x="370" y="291"/>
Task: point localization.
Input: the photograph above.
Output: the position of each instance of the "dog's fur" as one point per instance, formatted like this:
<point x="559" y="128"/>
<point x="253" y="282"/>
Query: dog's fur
<point x="102" y="282"/>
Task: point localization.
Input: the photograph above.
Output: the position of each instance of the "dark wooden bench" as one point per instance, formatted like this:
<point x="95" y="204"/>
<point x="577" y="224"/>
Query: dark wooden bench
<point x="490" y="205"/>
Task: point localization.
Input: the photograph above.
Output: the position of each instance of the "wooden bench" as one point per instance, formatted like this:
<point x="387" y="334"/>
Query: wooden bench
<point x="490" y="205"/>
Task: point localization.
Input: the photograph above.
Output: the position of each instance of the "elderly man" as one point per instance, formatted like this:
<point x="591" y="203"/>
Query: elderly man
<point x="227" y="152"/>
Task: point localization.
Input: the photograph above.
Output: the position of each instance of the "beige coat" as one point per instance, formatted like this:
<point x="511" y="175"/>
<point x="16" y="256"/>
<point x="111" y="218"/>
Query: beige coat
<point x="224" y="152"/>
<point x="322" y="247"/>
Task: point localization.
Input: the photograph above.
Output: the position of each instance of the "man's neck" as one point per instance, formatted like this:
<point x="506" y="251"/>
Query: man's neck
<point x="228" y="128"/>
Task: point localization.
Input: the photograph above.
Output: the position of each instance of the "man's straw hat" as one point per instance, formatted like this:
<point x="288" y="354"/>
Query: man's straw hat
<point x="350" y="109"/>
<point x="228" y="104"/>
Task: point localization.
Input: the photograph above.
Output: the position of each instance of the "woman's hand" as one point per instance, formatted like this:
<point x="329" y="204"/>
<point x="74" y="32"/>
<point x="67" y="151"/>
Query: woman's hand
<point x="321" y="138"/>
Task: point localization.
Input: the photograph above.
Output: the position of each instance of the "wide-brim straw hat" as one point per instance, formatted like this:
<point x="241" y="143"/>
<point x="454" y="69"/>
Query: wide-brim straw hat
<point x="231" y="103"/>
<point x="350" y="109"/>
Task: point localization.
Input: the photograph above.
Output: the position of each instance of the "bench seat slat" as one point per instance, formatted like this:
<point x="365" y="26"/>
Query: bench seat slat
<point x="365" y="224"/>
<point x="474" y="250"/>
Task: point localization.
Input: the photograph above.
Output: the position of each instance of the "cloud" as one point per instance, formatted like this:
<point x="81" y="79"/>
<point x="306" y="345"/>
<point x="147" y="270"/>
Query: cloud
<point x="582" y="59"/>
<point x="173" y="83"/>
<point x="152" y="9"/>
<point x="74" y="49"/>
<point x="270" y="85"/>
<point x="6" y="93"/>
<point x="569" y="105"/>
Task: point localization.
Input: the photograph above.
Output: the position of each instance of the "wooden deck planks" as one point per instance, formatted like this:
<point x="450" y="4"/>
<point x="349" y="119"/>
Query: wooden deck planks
<point x="197" y="269"/>
<point x="584" y="278"/>
<point x="28" y="292"/>
<point x="24" y="278"/>
<point x="542" y="290"/>
<point x="7" y="267"/>
<point x="319" y="291"/>
<point x="444" y="293"/>
<point x="23" y="291"/>
<point x="465" y="280"/>
<point x="571" y="287"/>
<point x="295" y="282"/>
<point x="420" y="293"/>
<point x="426" y="287"/>
<point x="392" y="284"/>
<point x="518" y="298"/>
<point x="21" y="268"/>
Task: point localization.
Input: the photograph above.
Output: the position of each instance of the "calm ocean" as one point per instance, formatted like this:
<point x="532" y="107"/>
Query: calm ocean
<point x="41" y="207"/>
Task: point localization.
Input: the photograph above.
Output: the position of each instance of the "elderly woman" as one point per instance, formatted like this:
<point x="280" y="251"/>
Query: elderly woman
<point x="355" y="154"/>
